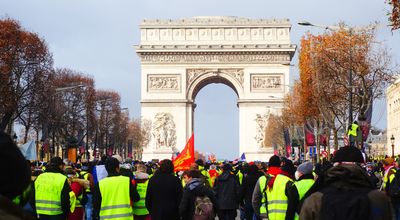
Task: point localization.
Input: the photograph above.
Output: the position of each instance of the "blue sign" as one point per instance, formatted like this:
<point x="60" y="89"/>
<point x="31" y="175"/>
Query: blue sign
<point x="311" y="149"/>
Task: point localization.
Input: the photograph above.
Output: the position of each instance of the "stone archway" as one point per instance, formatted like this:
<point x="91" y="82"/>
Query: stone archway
<point x="180" y="57"/>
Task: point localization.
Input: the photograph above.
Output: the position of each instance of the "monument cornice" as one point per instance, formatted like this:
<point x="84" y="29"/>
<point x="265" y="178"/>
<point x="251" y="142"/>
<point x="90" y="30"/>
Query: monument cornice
<point x="214" y="21"/>
<point x="216" y="48"/>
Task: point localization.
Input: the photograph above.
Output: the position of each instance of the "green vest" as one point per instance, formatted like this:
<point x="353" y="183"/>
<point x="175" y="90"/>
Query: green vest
<point x="115" y="202"/>
<point x="48" y="187"/>
<point x="302" y="188"/>
<point x="277" y="199"/>
<point x="353" y="130"/>
<point x="139" y="207"/>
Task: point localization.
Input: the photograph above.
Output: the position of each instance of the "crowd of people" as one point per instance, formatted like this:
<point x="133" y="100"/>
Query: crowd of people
<point x="347" y="187"/>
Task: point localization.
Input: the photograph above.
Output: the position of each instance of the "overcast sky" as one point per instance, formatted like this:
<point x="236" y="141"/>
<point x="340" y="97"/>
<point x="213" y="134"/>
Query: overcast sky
<point x="96" y="37"/>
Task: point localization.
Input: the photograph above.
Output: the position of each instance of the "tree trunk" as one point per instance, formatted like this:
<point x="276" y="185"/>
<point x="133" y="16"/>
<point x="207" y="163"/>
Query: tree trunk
<point x="328" y="136"/>
<point x="335" y="139"/>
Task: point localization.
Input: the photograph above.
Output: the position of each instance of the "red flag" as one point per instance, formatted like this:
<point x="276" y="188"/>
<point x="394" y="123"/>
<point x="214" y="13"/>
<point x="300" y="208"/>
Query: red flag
<point x="186" y="157"/>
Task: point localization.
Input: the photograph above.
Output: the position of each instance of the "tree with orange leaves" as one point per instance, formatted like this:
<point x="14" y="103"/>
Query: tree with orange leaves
<point x="25" y="63"/>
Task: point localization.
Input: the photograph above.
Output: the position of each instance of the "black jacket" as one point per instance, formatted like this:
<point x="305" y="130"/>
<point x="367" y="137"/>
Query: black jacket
<point x="194" y="188"/>
<point x="247" y="187"/>
<point x="163" y="196"/>
<point x="134" y="196"/>
<point x="226" y="188"/>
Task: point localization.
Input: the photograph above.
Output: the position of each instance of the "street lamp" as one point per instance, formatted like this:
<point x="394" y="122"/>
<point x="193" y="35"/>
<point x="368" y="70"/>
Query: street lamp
<point x="392" y="141"/>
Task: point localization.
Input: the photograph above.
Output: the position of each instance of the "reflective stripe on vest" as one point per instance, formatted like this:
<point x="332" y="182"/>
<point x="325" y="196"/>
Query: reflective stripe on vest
<point x="48" y="187"/>
<point x="139" y="207"/>
<point x="302" y="188"/>
<point x="277" y="199"/>
<point x="115" y="202"/>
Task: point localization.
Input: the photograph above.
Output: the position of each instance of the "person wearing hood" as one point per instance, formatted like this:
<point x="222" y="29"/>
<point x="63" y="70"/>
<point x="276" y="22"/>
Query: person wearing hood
<point x="345" y="192"/>
<point x="140" y="211"/>
<point x="296" y="191"/>
<point x="226" y="188"/>
<point x="194" y="187"/>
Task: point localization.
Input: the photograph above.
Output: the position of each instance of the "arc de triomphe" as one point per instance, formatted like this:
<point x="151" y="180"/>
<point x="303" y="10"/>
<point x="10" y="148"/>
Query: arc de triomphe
<point x="180" y="57"/>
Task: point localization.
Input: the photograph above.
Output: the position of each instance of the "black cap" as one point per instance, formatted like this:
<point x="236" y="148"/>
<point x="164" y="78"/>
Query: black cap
<point x="274" y="161"/>
<point x="56" y="161"/>
<point x="111" y="164"/>
<point x="348" y="154"/>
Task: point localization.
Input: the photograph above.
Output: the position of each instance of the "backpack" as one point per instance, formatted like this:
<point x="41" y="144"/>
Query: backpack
<point x="203" y="208"/>
<point x="394" y="186"/>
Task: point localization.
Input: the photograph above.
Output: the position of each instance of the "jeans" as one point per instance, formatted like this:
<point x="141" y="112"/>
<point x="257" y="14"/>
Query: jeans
<point x="89" y="207"/>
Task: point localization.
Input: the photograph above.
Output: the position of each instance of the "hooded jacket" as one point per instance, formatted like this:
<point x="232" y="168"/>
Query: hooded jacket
<point x="343" y="187"/>
<point x="226" y="188"/>
<point x="195" y="187"/>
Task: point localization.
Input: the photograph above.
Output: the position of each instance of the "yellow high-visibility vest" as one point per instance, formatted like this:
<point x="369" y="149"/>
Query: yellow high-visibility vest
<point x="277" y="199"/>
<point x="115" y="202"/>
<point x="139" y="207"/>
<point x="48" y="187"/>
<point x="353" y="130"/>
<point x="302" y="188"/>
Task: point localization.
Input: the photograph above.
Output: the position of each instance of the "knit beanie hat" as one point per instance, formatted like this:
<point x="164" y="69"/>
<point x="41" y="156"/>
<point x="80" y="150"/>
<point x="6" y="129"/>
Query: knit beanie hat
<point x="274" y="161"/>
<point x="305" y="168"/>
<point x="15" y="169"/>
<point x="348" y="154"/>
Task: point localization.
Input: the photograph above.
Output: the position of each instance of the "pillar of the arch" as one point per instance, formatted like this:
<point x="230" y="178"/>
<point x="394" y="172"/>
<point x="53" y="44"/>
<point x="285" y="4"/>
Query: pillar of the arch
<point x="253" y="118"/>
<point x="172" y="118"/>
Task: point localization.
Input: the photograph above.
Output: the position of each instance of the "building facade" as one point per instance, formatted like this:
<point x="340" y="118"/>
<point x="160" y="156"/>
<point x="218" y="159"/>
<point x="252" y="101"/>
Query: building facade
<point x="393" y="116"/>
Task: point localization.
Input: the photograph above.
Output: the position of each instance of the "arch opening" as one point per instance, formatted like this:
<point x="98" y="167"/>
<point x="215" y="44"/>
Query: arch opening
<point x="216" y="120"/>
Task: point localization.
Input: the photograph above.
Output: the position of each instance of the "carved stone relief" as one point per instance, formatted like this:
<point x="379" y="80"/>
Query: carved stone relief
<point x="163" y="131"/>
<point x="215" y="58"/>
<point x="162" y="82"/>
<point x="146" y="126"/>
<point x="266" y="82"/>
<point x="261" y="123"/>
<point x="193" y="74"/>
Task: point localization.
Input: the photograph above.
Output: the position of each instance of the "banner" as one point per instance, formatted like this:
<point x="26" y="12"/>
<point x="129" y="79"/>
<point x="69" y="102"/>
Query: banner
<point x="186" y="157"/>
<point x="29" y="150"/>
<point x="288" y="146"/>
<point x="309" y="134"/>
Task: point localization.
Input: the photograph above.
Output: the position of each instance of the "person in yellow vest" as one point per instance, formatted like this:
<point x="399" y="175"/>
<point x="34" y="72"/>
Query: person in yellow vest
<point x="51" y="190"/>
<point x="203" y="171"/>
<point x="296" y="191"/>
<point x="354" y="134"/>
<point x="112" y="196"/>
<point x="270" y="193"/>
<point x="140" y="211"/>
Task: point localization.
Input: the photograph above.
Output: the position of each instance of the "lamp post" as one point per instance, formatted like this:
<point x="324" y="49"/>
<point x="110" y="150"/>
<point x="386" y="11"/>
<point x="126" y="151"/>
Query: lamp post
<point x="392" y="139"/>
